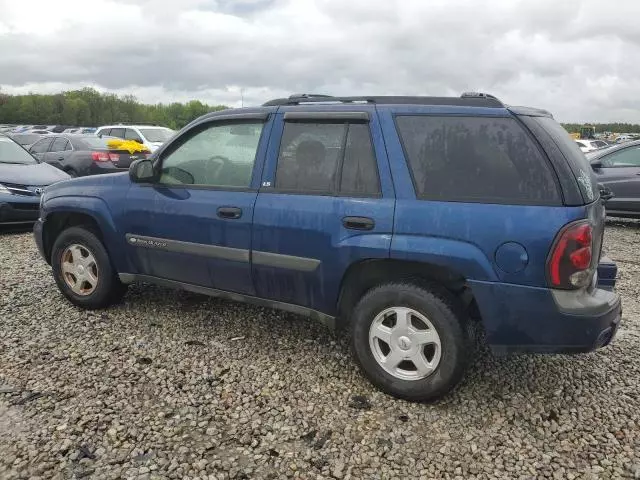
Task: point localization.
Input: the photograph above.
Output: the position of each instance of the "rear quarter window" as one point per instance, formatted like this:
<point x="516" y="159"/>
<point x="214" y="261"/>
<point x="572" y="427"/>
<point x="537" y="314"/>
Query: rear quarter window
<point x="476" y="159"/>
<point x="576" y="159"/>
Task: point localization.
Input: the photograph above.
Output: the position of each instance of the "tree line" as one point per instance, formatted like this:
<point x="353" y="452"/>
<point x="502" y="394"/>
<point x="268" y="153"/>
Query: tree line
<point x="604" y="127"/>
<point x="88" y="107"/>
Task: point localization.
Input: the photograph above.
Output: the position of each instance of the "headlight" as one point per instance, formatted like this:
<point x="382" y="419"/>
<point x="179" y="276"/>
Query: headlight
<point x="4" y="189"/>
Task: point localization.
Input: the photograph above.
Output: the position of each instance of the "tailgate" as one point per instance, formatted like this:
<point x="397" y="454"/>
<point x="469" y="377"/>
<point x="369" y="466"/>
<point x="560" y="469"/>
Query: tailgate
<point x="125" y="158"/>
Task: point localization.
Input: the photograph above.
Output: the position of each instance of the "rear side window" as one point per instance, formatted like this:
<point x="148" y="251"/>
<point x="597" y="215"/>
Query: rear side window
<point x="117" y="132"/>
<point x="59" y="145"/>
<point x="359" y="171"/>
<point x="327" y="158"/>
<point x="132" y="135"/>
<point x="476" y="159"/>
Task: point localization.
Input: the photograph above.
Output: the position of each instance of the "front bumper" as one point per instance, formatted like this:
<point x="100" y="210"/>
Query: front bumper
<point x="38" y="228"/>
<point x="19" y="212"/>
<point x="540" y="320"/>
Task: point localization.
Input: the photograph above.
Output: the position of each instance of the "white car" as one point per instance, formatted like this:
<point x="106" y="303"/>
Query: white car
<point x="150" y="136"/>
<point x="591" y="145"/>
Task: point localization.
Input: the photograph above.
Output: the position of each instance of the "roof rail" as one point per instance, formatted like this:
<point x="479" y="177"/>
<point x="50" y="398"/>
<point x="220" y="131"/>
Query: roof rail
<point x="468" y="99"/>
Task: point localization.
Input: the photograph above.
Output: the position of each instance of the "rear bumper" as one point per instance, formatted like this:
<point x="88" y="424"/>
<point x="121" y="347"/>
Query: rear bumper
<point x="19" y="212"/>
<point x="540" y="320"/>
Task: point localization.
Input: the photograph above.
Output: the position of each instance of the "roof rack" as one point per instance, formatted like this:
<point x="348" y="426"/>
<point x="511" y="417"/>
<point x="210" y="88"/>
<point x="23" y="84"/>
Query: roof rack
<point x="467" y="99"/>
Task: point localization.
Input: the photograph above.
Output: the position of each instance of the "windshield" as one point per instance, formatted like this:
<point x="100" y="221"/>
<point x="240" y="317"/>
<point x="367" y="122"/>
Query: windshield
<point x="156" y="134"/>
<point x="11" y="152"/>
<point x="26" y="139"/>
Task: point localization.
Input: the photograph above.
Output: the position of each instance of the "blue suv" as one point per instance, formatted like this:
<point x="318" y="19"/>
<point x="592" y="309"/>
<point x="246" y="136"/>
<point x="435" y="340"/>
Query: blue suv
<point x="408" y="219"/>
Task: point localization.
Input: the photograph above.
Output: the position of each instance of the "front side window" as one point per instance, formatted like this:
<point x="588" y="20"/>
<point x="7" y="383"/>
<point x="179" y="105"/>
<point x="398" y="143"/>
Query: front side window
<point x="219" y="155"/>
<point x="40" y="146"/>
<point x="475" y="159"/>
<point x="629" y="157"/>
<point x="327" y="158"/>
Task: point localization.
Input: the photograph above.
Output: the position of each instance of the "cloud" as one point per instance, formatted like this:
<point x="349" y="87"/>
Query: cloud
<point x="578" y="59"/>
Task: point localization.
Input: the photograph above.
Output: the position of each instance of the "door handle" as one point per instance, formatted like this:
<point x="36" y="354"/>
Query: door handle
<point x="358" y="223"/>
<point x="231" y="213"/>
<point x="60" y="158"/>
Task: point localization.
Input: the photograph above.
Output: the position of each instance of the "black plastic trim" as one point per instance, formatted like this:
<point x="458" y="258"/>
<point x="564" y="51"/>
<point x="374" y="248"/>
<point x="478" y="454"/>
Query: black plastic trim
<point x="289" y="262"/>
<point x="189" y="248"/>
<point x="327" y="320"/>
<point x="476" y="101"/>
<point x="326" y="116"/>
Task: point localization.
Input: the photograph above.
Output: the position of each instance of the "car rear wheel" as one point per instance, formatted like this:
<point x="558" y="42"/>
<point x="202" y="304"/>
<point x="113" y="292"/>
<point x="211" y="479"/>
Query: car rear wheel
<point x="411" y="340"/>
<point x="82" y="269"/>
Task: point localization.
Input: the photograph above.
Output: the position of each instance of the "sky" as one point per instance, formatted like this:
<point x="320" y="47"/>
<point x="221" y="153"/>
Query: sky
<point x="579" y="59"/>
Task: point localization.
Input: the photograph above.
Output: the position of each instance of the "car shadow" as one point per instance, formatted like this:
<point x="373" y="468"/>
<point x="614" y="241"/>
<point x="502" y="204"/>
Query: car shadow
<point x="623" y="222"/>
<point x="16" y="229"/>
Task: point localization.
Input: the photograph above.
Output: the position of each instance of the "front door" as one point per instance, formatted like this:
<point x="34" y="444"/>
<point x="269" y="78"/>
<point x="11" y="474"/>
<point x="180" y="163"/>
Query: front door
<point x="194" y="224"/>
<point x="326" y="202"/>
<point x="620" y="172"/>
<point x="58" y="152"/>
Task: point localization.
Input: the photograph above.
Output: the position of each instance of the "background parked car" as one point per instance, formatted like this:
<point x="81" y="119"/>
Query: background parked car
<point x="591" y="145"/>
<point x="618" y="168"/>
<point x="80" y="155"/>
<point x="22" y="181"/>
<point x="79" y="130"/>
<point x="151" y="137"/>
<point x="25" y="139"/>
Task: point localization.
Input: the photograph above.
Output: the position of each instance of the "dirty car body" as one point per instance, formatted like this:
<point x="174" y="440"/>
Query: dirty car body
<point x="491" y="209"/>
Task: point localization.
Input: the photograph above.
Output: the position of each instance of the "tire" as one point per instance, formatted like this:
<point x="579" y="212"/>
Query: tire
<point x="107" y="289"/>
<point x="72" y="173"/>
<point x="424" y="304"/>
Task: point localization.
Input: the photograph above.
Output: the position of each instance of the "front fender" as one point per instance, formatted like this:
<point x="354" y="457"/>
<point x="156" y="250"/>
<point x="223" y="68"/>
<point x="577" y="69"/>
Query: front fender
<point x="461" y="257"/>
<point x="99" y="211"/>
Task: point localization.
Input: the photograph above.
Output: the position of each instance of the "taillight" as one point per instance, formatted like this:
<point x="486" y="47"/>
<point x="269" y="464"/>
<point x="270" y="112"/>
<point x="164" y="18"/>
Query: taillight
<point x="100" y="156"/>
<point x="105" y="157"/>
<point x="569" y="262"/>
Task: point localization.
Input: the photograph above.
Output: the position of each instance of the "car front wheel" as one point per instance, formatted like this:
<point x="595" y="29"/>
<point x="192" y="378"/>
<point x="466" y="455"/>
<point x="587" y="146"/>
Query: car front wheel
<point x="82" y="269"/>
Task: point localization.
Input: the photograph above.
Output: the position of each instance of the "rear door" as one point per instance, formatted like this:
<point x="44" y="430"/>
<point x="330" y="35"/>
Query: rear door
<point x="326" y="202"/>
<point x="620" y="172"/>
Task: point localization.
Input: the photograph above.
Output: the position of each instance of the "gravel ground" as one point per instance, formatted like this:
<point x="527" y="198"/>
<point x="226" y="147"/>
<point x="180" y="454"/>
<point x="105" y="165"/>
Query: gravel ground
<point x="174" y="385"/>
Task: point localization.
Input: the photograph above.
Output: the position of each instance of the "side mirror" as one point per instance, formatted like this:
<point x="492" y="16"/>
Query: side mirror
<point x="141" y="171"/>
<point x="139" y="140"/>
<point x="596" y="164"/>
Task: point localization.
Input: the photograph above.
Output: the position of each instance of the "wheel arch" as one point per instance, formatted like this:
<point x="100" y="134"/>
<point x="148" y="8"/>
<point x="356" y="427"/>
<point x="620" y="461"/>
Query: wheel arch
<point x="362" y="276"/>
<point x="65" y="212"/>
